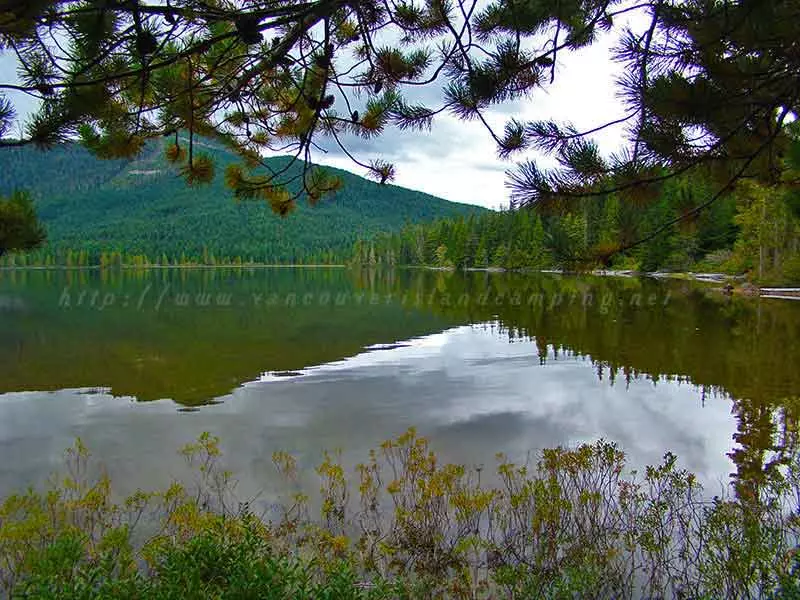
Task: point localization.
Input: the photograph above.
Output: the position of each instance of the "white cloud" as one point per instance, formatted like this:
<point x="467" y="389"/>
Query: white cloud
<point x="455" y="160"/>
<point x="458" y="160"/>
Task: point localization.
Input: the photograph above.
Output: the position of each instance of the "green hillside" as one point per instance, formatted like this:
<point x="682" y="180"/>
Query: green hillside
<point x="142" y="207"/>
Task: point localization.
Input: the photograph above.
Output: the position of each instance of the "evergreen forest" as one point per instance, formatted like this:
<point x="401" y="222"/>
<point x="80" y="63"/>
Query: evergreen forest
<point x="753" y="230"/>
<point x="140" y="211"/>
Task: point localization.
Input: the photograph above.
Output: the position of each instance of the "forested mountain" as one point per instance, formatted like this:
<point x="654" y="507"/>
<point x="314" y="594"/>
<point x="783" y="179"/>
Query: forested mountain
<point x="753" y="230"/>
<point x="141" y="209"/>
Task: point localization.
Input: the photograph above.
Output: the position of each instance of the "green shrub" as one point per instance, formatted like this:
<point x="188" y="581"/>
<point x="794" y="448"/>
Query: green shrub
<point x="791" y="270"/>
<point x="575" y="524"/>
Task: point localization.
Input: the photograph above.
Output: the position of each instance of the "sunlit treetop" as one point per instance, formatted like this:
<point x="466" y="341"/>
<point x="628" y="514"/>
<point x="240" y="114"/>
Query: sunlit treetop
<point x="708" y="84"/>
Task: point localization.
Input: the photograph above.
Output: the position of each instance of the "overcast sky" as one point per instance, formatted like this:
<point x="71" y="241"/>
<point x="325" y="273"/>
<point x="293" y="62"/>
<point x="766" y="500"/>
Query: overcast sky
<point x="457" y="160"/>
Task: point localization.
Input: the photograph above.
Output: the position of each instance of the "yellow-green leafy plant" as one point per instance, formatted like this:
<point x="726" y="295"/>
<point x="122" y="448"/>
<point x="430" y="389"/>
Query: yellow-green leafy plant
<point x="574" y="523"/>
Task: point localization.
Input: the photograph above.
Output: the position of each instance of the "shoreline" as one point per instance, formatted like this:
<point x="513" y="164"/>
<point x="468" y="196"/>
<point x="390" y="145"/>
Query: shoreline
<point x="144" y="267"/>
<point x="679" y="275"/>
<point x="733" y="284"/>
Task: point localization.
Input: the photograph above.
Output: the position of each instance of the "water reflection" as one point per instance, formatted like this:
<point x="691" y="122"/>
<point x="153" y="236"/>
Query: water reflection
<point x="467" y="388"/>
<point x="304" y="359"/>
<point x="186" y="335"/>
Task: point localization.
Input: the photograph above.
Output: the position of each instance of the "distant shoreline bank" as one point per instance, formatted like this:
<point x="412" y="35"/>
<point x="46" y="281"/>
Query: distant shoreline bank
<point x="680" y="275"/>
<point x="738" y="283"/>
<point x="735" y="284"/>
<point x="141" y="267"/>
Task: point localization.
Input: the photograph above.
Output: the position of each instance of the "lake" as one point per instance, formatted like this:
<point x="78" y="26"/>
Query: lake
<point x="139" y="362"/>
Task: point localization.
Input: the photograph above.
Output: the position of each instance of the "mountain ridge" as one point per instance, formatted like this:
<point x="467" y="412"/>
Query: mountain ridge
<point x="142" y="206"/>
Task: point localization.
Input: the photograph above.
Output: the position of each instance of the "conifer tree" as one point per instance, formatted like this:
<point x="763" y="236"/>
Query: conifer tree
<point x="709" y="84"/>
<point x="711" y="91"/>
<point x="19" y="227"/>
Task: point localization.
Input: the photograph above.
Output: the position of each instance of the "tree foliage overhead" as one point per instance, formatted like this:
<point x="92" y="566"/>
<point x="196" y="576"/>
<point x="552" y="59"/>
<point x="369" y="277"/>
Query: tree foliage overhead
<point x="708" y="84"/>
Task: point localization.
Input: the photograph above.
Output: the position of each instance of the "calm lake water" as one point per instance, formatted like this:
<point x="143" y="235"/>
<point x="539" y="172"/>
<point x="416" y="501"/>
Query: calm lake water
<point x="138" y="363"/>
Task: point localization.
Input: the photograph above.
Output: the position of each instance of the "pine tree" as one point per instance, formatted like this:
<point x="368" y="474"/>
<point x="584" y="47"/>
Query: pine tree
<point x="710" y="87"/>
<point x="19" y="227"/>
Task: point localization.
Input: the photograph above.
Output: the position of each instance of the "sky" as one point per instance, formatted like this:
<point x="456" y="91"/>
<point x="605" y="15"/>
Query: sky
<point x="458" y="160"/>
